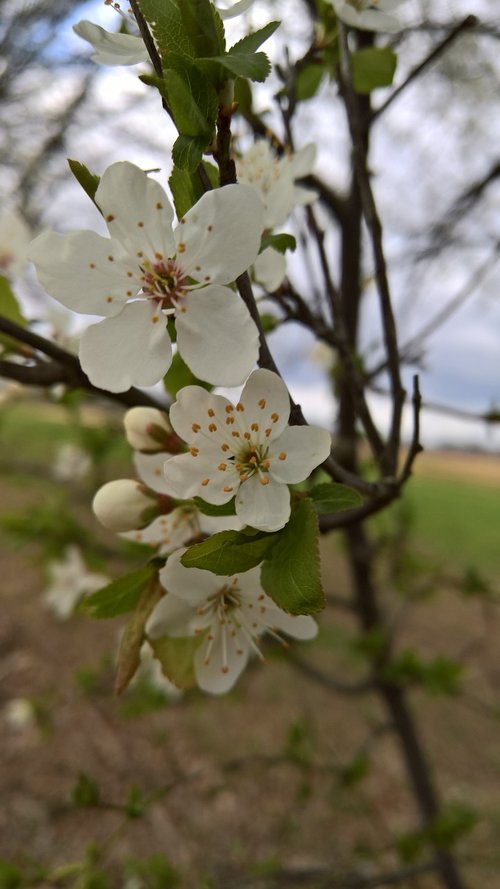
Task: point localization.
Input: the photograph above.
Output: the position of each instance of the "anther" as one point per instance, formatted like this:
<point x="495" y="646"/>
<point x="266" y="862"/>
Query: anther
<point x="240" y="407"/>
<point x="262" y="403"/>
<point x="211" y="412"/>
<point x="229" y="408"/>
<point x="264" y="479"/>
<point x="212" y="427"/>
<point x="110" y="217"/>
<point x="196" y="427"/>
<point x="194" y="451"/>
<point x="254" y="427"/>
<point x="205" y="482"/>
<point x="282" y="456"/>
<point x="222" y="467"/>
<point x="228" y="489"/>
<point x="225" y="447"/>
<point x="275" y="417"/>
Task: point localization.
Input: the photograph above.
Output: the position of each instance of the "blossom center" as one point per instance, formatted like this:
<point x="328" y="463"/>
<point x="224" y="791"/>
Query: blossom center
<point x="163" y="280"/>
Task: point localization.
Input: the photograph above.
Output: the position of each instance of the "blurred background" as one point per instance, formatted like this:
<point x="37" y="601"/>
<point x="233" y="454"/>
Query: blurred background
<point x="289" y="778"/>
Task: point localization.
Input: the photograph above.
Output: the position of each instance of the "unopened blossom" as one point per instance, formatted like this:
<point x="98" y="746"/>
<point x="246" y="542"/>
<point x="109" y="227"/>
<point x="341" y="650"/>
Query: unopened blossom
<point x="15" y="237"/>
<point x="247" y="450"/>
<point x="144" y="272"/>
<point x="274" y="179"/>
<point x="70" y="580"/>
<point x="148" y="429"/>
<point x="230" y="614"/>
<point x="369" y="15"/>
<point x="124" y="504"/>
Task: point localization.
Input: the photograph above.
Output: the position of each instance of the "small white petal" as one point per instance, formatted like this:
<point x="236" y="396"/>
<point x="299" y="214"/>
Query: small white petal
<point x="266" y="507"/>
<point x="220" y="236"/>
<point x="220" y="674"/>
<point x="194" y="585"/>
<point x="303" y="161"/>
<point x="304" y="448"/>
<point x="112" y="49"/>
<point x="235" y="9"/>
<point x="192" y="476"/>
<point x="266" y="402"/>
<point x="194" y="407"/>
<point x="269" y="269"/>
<point x="129" y="350"/>
<point x="85" y="272"/>
<point x="150" y="468"/>
<point x="216" y="336"/>
<point x="137" y="211"/>
<point x="171" y="616"/>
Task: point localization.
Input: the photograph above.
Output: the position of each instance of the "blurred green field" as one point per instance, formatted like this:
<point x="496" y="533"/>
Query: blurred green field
<point x="451" y="505"/>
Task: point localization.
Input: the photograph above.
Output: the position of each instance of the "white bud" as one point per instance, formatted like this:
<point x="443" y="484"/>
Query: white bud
<point x="147" y="429"/>
<point x="124" y="505"/>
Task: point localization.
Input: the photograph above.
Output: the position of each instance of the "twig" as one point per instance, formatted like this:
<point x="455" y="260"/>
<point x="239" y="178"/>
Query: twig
<point x="374" y="226"/>
<point x="415" y="446"/>
<point x="328" y="681"/>
<point x="469" y="22"/>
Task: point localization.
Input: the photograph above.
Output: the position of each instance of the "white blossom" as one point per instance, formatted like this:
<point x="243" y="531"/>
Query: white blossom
<point x="274" y="179"/>
<point x="15" y="237"/>
<point x="368" y="15"/>
<point x="246" y="451"/>
<point x="229" y="613"/>
<point x="70" y="580"/>
<point x="19" y="714"/>
<point x="71" y="462"/>
<point x="145" y="271"/>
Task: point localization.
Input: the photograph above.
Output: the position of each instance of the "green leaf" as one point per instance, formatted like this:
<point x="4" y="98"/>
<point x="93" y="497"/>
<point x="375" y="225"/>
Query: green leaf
<point x="88" y="180"/>
<point x="243" y="95"/>
<point x="308" y="81"/>
<point x="200" y="26"/>
<point x="121" y="595"/>
<point x="230" y="552"/>
<point x="165" y="20"/>
<point x="254" y="66"/>
<point x="291" y="573"/>
<point x="10" y="876"/>
<point x="330" y="497"/>
<point x="251" y="42"/>
<point x="279" y="242"/>
<point x="192" y="100"/>
<point x="187" y="189"/>
<point x="179" y="375"/>
<point x="373" y="67"/>
<point x="85" y="792"/>
<point x="175" y="655"/>
<point x="211" y="509"/>
<point x="187" y="153"/>
<point x="9" y="309"/>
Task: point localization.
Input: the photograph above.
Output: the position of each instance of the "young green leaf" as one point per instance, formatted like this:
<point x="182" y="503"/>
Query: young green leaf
<point x="187" y="188"/>
<point x="308" y="81"/>
<point x="212" y="509"/>
<point x="373" y="67"/>
<point x="165" y="20"/>
<point x="200" y="26"/>
<point x="187" y="153"/>
<point x="230" y="552"/>
<point x="254" y="66"/>
<point x="9" y="309"/>
<point x="291" y="573"/>
<point x="280" y="242"/>
<point x="89" y="181"/>
<point x="176" y="658"/>
<point x="251" y="42"/>
<point x="330" y="497"/>
<point x="192" y="100"/>
<point x="121" y="595"/>
<point x="179" y="375"/>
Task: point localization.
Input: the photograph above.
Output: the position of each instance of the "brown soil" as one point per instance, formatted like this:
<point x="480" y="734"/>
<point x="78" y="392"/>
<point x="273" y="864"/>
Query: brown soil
<point x="250" y="780"/>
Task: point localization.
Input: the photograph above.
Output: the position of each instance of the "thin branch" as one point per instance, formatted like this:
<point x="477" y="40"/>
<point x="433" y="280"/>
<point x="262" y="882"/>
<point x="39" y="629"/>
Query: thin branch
<point x="327" y="681"/>
<point x="415" y="446"/>
<point x="469" y="22"/>
<point x="374" y="226"/>
<point x="65" y="368"/>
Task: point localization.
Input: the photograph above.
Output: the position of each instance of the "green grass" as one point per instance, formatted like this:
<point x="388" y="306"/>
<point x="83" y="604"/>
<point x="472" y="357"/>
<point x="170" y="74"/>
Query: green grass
<point x="457" y="521"/>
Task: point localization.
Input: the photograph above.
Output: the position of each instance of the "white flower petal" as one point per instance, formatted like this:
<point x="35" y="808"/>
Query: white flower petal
<point x="197" y="407"/>
<point x="266" y="507"/>
<point x="304" y="448"/>
<point x="191" y="476"/>
<point x="220" y="673"/>
<point x="269" y="269"/>
<point x="112" y="49"/>
<point x="85" y="272"/>
<point x="216" y="336"/>
<point x="170" y="616"/>
<point x="303" y="161"/>
<point x="266" y="402"/>
<point x="137" y="211"/>
<point x="150" y="468"/>
<point x="296" y="626"/>
<point x="129" y="350"/>
<point x="193" y="585"/>
<point x="219" y="237"/>
<point x="15" y="237"/>
<point x="234" y="9"/>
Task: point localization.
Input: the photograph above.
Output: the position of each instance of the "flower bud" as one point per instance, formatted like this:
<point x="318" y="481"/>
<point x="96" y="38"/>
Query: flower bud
<point x="125" y="505"/>
<point x="148" y="430"/>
